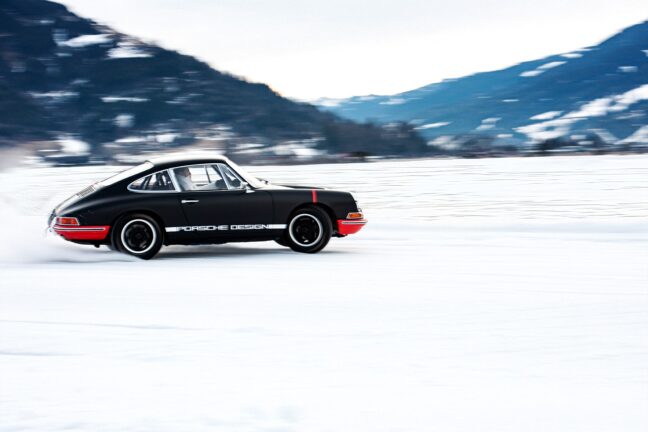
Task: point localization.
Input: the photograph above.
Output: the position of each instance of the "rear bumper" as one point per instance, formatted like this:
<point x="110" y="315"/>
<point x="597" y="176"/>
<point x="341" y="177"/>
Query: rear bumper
<point x="97" y="233"/>
<point x="350" y="226"/>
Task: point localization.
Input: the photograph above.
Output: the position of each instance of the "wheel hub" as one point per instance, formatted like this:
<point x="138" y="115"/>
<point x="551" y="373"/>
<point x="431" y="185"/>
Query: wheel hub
<point x="138" y="236"/>
<point x="306" y="229"/>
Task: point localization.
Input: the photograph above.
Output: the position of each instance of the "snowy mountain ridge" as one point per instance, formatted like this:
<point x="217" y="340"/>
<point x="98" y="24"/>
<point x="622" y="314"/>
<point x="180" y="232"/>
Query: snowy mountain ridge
<point x="597" y="94"/>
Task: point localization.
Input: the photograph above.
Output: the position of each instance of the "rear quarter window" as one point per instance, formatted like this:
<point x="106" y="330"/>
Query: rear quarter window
<point x="156" y="182"/>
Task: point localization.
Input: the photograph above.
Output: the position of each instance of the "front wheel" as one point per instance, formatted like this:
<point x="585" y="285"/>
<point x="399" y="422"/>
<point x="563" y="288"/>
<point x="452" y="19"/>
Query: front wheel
<point x="309" y="230"/>
<point x="138" y="235"/>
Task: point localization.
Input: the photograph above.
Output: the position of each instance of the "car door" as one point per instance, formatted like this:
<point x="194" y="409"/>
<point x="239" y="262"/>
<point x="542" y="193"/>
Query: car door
<point x="218" y="203"/>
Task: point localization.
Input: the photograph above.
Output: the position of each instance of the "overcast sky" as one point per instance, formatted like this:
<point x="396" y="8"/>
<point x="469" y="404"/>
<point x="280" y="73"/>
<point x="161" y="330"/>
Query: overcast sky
<point x="337" y="48"/>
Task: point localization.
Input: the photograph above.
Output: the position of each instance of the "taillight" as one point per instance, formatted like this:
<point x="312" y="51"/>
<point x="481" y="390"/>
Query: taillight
<point x="354" y="215"/>
<point x="67" y="221"/>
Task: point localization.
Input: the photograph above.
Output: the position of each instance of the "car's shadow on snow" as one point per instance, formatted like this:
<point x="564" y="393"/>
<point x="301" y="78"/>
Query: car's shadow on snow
<point x="215" y="251"/>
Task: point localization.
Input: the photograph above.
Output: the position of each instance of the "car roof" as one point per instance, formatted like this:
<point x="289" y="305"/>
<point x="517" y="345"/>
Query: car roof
<point x="172" y="160"/>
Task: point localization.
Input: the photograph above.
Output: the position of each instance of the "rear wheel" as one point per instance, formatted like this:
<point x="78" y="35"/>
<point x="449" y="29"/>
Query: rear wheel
<point x="138" y="235"/>
<point x="309" y="230"/>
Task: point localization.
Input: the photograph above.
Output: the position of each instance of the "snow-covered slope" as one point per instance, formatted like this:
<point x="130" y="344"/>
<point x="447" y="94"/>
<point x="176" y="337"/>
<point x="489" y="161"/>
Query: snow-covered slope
<point x="493" y="294"/>
<point x="64" y="76"/>
<point x="594" y="94"/>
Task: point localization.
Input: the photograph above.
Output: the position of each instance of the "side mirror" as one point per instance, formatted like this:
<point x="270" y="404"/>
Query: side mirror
<point x="246" y="187"/>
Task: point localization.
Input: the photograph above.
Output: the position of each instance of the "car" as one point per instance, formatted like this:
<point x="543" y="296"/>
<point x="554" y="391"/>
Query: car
<point x="192" y="200"/>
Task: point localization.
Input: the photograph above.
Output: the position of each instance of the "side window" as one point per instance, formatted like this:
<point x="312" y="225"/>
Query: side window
<point x="199" y="178"/>
<point x="231" y="178"/>
<point x="157" y="182"/>
<point x="139" y="183"/>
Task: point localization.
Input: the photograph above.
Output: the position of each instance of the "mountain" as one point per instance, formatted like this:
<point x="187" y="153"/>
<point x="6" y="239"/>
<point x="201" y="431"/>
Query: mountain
<point x="592" y="96"/>
<point x="70" y="81"/>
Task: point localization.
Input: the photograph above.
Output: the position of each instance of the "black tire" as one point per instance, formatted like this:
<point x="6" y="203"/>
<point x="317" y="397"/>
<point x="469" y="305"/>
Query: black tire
<point x="309" y="230"/>
<point x="138" y="235"/>
<point x="281" y="241"/>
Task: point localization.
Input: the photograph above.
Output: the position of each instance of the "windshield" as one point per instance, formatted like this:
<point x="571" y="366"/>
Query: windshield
<point x="125" y="174"/>
<point x="250" y="179"/>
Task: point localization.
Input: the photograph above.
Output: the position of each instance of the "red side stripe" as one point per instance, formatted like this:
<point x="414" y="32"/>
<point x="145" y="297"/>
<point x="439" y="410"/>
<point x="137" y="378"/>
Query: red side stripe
<point x="314" y="193"/>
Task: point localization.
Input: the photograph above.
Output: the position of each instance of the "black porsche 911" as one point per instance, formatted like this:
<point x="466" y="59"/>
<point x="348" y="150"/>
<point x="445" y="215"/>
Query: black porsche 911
<point x="199" y="200"/>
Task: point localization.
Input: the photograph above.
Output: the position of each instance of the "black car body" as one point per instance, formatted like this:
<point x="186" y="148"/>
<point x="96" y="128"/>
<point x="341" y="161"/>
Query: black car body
<point x="198" y="200"/>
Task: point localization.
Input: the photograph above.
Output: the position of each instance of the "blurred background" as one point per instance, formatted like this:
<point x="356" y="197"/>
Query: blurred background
<point x="102" y="81"/>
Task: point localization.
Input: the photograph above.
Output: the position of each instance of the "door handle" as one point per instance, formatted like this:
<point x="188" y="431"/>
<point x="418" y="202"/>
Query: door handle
<point x="189" y="201"/>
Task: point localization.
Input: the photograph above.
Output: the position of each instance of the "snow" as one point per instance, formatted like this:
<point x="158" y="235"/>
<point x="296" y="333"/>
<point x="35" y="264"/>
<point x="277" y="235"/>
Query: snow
<point x="73" y="145"/>
<point x="166" y="138"/>
<point x="124" y="120"/>
<point x="638" y="136"/>
<point x="433" y="125"/>
<point x="551" y="65"/>
<point x="113" y="99"/>
<point x="327" y="102"/>
<point x="546" y="115"/>
<point x="600" y="107"/>
<point x="447" y="142"/>
<point x="547" y="130"/>
<point x="87" y="40"/>
<point x="131" y="140"/>
<point x="572" y="55"/>
<point x="596" y="108"/>
<point x="542" y="68"/>
<point x="127" y="50"/>
<point x="603" y="106"/>
<point x="531" y="73"/>
<point x="491" y="120"/>
<point x="488" y="123"/>
<point x="300" y="149"/>
<point x="492" y="294"/>
<point x="394" y="101"/>
<point x="54" y="94"/>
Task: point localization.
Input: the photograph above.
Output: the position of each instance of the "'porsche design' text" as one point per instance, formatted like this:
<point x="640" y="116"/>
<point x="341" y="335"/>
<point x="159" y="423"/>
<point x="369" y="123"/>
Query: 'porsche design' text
<point x="226" y="227"/>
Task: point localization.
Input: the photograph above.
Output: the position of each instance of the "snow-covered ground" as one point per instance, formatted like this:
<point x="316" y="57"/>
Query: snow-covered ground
<point x="484" y="295"/>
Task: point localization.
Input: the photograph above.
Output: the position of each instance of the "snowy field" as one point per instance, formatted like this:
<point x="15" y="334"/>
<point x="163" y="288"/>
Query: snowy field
<point x="483" y="295"/>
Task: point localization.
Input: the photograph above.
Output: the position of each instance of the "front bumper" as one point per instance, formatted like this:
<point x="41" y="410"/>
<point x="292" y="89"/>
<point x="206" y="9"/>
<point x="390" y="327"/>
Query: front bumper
<point x="350" y="226"/>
